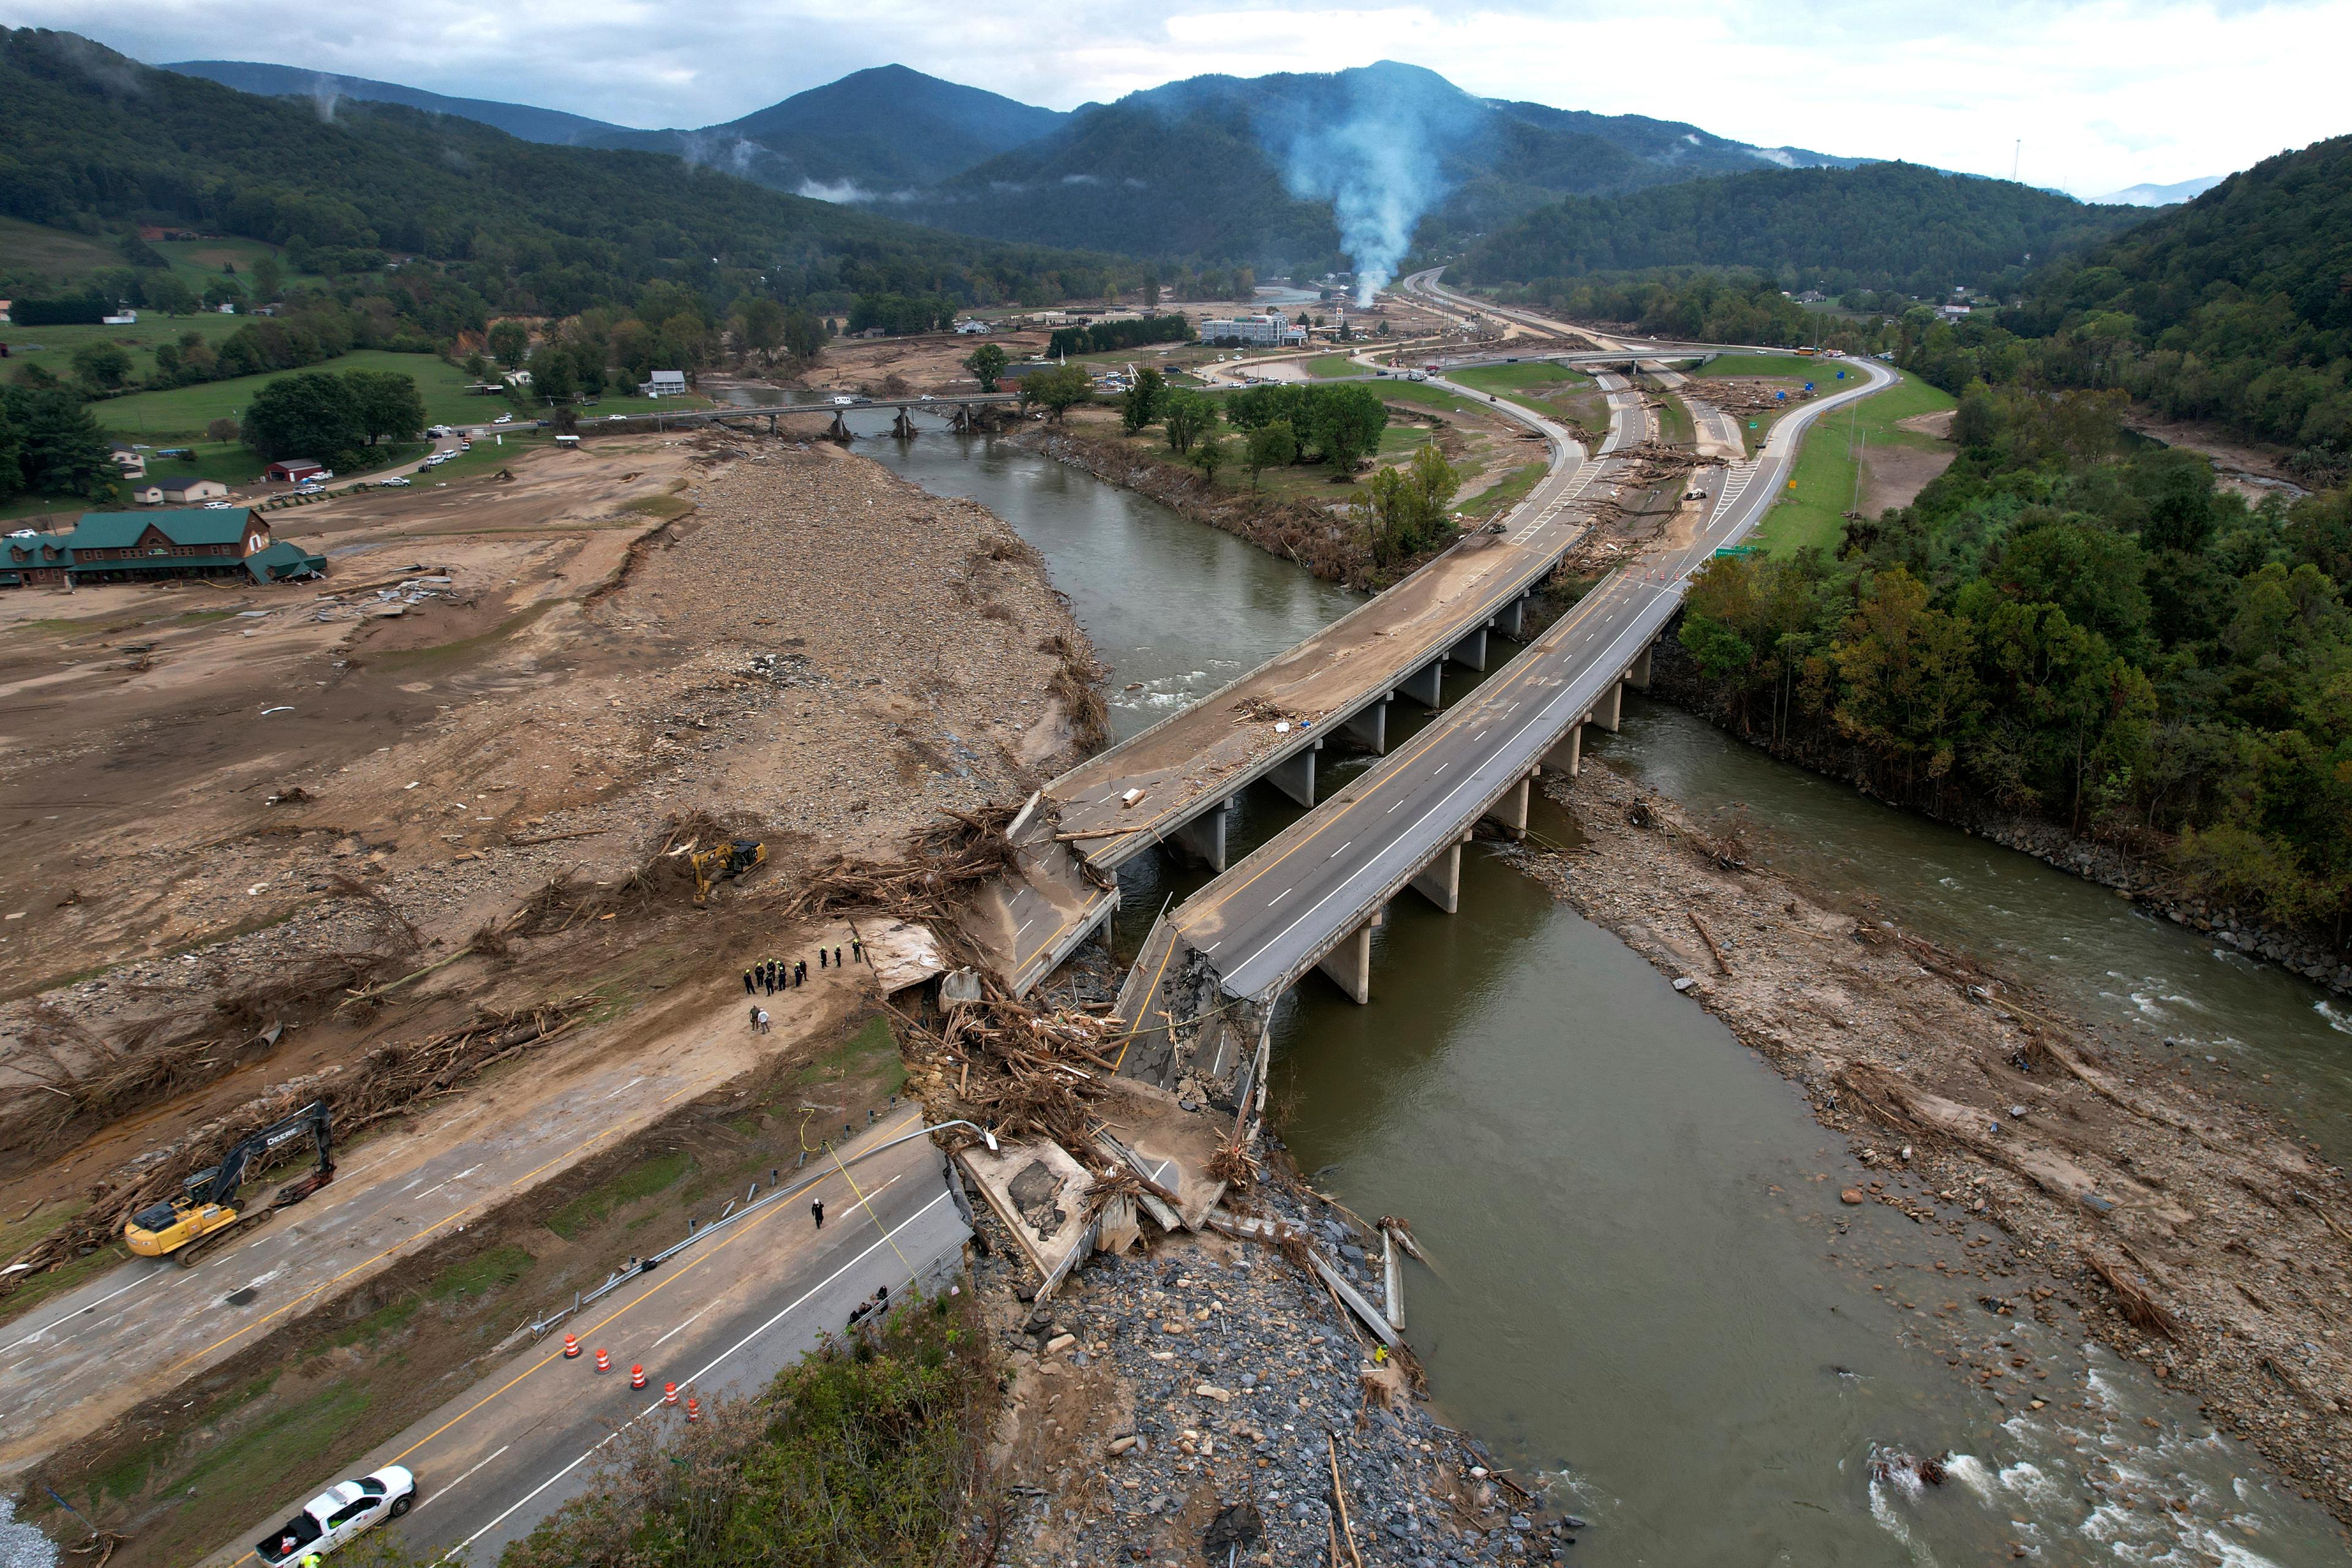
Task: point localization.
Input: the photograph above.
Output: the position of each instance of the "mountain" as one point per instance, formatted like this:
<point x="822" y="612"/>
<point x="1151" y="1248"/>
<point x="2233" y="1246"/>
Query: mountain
<point x="1878" y="226"/>
<point x="2163" y="195"/>
<point x="549" y="125"/>
<point x="2231" y="308"/>
<point x="89" y="140"/>
<point x="1289" y="168"/>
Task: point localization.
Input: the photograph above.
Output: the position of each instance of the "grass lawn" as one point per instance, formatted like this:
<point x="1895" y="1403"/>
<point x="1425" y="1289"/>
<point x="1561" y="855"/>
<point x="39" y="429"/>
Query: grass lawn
<point x="1324" y="366"/>
<point x="186" y="410"/>
<point x="1813" y="513"/>
<point x="1504" y="493"/>
<point x="52" y="348"/>
<point x="61" y="254"/>
<point x="1793" y="366"/>
<point x="1537" y="387"/>
<point x="1423" y="393"/>
<point x="198" y="262"/>
<point x="627" y="403"/>
<point x="230" y="462"/>
<point x="1674" y="426"/>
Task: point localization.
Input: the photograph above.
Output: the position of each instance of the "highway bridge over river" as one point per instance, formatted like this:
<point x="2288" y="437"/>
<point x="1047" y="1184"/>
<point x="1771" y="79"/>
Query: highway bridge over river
<point x="1202" y="992"/>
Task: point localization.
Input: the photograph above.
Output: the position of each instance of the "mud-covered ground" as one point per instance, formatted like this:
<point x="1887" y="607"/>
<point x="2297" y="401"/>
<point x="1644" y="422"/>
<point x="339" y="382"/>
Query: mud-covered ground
<point x="2191" y="1231"/>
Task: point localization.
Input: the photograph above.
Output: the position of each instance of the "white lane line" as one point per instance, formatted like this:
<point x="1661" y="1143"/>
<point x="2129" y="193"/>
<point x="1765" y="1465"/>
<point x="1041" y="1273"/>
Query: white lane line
<point x="1336" y="853"/>
<point x="1280" y="895"/>
<point x="440" y="1492"/>
<point x="77" y="1311"/>
<point x="679" y="1330"/>
<point x="622" y="1090"/>
<point x="887" y="1239"/>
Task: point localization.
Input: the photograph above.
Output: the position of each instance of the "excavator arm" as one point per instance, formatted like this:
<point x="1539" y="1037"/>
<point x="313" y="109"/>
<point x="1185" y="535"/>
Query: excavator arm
<point x="208" y="1206"/>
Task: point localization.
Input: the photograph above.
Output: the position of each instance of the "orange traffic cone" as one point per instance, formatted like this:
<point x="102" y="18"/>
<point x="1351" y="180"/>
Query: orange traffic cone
<point x="669" y="1393"/>
<point x="603" y="1359"/>
<point x="571" y="1346"/>
<point x="693" y="1408"/>
<point x="636" y="1377"/>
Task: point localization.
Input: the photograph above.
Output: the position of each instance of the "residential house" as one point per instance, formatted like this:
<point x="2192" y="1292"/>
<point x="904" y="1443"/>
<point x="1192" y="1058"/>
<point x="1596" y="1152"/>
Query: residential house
<point x="185" y="490"/>
<point x="665" y="384"/>
<point x="137" y="547"/>
<point x="973" y="328"/>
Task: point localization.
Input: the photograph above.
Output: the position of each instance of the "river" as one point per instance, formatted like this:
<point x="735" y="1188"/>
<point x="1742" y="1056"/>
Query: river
<point x="1645" y="1288"/>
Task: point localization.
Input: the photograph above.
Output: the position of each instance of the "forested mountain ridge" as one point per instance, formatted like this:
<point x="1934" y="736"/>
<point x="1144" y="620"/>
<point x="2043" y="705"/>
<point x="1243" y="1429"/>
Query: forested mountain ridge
<point x="2233" y="308"/>
<point x="88" y="136"/>
<point x="1226" y="168"/>
<point x="522" y="119"/>
<point x="1879" y="227"/>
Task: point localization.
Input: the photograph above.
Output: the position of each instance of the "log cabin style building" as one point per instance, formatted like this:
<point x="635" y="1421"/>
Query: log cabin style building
<point x="148" y="546"/>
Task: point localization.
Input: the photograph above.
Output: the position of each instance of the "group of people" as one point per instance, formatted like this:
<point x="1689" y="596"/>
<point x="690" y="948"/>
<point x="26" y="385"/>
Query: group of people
<point x="776" y="975"/>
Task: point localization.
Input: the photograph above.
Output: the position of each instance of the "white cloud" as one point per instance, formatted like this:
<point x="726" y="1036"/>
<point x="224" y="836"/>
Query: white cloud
<point x="2102" y="94"/>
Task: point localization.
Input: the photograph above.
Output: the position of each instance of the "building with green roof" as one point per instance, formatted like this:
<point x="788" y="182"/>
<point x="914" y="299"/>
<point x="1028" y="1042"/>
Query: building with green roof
<point x="145" y="546"/>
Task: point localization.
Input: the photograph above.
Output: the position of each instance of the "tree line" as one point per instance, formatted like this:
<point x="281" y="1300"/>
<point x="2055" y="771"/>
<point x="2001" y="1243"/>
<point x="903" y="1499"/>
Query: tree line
<point x="1107" y="337"/>
<point x="2075" y="624"/>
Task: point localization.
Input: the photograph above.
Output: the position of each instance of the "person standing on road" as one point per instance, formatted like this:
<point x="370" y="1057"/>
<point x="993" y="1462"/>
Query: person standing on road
<point x="820" y="958"/>
<point x="856" y="950"/>
<point x="836" y="958"/>
<point x="800" y="973"/>
<point x="747" y="983"/>
<point x="764" y="1018"/>
<point x="816" y="1212"/>
<point x="755" y="1017"/>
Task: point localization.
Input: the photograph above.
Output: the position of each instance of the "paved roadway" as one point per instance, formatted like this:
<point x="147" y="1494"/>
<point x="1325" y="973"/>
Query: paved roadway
<point x="1268" y="919"/>
<point x="71" y="1363"/>
<point x="721" y="1317"/>
<point x="1202" y="753"/>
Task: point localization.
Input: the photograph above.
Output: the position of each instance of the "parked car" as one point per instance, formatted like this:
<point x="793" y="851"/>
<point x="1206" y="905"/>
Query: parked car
<point x="340" y="1514"/>
<point x="843" y="402"/>
<point x="397" y="482"/>
<point x="220" y="506"/>
<point x="503" y="419"/>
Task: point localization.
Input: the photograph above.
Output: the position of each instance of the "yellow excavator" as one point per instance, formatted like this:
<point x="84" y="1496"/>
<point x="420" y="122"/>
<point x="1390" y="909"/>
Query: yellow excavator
<point x="722" y="861"/>
<point x="200" y="1215"/>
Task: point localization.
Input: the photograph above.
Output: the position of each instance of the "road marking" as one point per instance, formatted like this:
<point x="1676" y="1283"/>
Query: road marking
<point x="696" y="1377"/>
<point x="1280" y="895"/>
<point x="615" y="1095"/>
<point x="440" y="1492"/>
<point x="1336" y="853"/>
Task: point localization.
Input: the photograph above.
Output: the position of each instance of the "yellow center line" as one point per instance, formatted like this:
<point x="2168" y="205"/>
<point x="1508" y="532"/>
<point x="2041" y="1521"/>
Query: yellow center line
<point x="571" y="1152"/>
<point x="1421" y="745"/>
<point x="629" y="1306"/>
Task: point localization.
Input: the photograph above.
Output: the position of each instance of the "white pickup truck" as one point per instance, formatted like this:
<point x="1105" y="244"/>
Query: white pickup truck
<point x="337" y="1515"/>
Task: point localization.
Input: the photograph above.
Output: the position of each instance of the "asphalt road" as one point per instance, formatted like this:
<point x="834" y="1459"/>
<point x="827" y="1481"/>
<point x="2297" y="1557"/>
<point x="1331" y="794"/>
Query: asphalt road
<point x="722" y="1318"/>
<point x="1267" y="919"/>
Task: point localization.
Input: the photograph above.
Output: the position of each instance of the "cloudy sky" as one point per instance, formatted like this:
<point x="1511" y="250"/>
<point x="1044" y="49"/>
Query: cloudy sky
<point x="2102" y="94"/>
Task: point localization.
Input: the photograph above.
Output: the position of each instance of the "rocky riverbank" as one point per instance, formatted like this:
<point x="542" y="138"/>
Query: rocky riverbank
<point x="1208" y="1391"/>
<point x="2146" y="881"/>
<point x="2165" y="1216"/>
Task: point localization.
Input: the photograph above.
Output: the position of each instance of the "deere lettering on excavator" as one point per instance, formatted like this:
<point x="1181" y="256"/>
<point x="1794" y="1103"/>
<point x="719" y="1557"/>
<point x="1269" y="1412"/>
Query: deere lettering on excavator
<point x="206" y="1208"/>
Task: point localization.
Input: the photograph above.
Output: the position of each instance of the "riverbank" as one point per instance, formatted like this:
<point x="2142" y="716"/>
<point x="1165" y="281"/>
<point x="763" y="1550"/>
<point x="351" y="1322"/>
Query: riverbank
<point x="1211" y="1379"/>
<point x="2147" y="1202"/>
<point x="1675" y="679"/>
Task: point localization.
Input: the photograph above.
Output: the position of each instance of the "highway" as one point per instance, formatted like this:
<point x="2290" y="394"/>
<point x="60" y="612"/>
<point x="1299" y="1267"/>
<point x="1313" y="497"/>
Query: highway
<point x="722" y="1318"/>
<point x="1265" y="921"/>
<point x="1137" y="794"/>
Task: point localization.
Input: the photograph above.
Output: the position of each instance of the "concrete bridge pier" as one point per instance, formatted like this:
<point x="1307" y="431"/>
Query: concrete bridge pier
<point x="1510" y="813"/>
<point x="1513" y="618"/>
<point x="1611" y="708"/>
<point x="1296" y="776"/>
<point x="902" y="426"/>
<point x="1439" y="881"/>
<point x="1471" y="650"/>
<point x="1424" y="685"/>
<point x="772" y="423"/>
<point x="1204" y="837"/>
<point x="1639" y="675"/>
<point x="838" y="432"/>
<point x="1349" y="965"/>
<point x="1371" y="726"/>
<point x="1567" y="753"/>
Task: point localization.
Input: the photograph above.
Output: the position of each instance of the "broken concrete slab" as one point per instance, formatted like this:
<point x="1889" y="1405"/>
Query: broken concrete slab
<point x="1040" y="1192"/>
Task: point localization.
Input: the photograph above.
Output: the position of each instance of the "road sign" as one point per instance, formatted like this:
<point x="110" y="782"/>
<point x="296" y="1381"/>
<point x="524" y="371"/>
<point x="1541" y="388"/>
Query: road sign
<point x="1781" y="397"/>
<point x="1808" y="386"/>
<point x="1841" y="375"/>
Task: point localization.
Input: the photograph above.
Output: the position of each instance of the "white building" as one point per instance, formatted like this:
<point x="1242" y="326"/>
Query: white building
<point x="973" y="327"/>
<point x="120" y="319"/>
<point x="1271" y="331"/>
<point x="180" y="492"/>
<point x="665" y="384"/>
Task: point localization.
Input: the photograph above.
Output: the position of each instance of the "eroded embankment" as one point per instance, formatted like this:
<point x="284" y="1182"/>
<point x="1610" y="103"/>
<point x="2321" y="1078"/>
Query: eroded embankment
<point x="2134" y="869"/>
<point x="2191" y="1231"/>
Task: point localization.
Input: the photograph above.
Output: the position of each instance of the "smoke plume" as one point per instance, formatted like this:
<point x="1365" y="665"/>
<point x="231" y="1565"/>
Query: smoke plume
<point x="1371" y="148"/>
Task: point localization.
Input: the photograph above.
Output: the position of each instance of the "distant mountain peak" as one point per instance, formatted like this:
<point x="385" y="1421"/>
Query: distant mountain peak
<point x="2161" y="195"/>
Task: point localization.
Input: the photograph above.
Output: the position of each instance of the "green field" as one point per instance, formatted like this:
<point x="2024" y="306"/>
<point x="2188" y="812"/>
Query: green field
<point x="1534" y="387"/>
<point x="39" y="260"/>
<point x="52" y="348"/>
<point x="1790" y="366"/>
<point x="1813" y="511"/>
<point x="230" y="462"/>
<point x="198" y="262"/>
<point x="1323" y="367"/>
<point x="29" y="249"/>
<point x="186" y="410"/>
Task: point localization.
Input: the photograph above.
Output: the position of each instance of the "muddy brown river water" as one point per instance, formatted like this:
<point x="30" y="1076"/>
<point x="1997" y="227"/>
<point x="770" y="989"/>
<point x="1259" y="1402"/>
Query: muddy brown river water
<point x="1645" y="1290"/>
